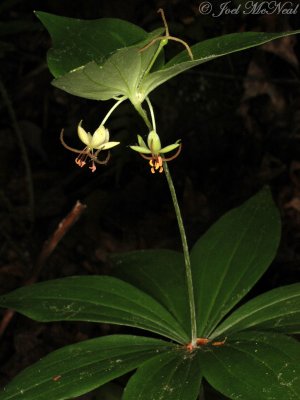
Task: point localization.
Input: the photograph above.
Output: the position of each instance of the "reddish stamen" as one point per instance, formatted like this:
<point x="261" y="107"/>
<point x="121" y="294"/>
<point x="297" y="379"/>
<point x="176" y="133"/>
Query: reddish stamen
<point x="93" y="167"/>
<point x="81" y="159"/>
<point x="156" y="163"/>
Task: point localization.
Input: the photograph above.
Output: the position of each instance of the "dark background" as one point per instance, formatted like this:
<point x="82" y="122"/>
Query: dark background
<point x="239" y="121"/>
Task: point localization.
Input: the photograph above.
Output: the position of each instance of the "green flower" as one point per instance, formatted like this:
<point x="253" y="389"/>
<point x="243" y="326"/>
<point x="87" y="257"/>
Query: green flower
<point x="153" y="147"/>
<point x="98" y="141"/>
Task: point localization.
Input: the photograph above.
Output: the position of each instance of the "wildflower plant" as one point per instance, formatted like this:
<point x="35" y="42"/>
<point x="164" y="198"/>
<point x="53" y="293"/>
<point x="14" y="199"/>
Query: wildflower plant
<point x="190" y="299"/>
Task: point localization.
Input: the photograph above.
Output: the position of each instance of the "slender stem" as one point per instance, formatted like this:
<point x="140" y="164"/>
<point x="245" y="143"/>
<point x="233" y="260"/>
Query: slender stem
<point x="187" y="260"/>
<point x="161" y="45"/>
<point x="162" y="42"/>
<point x="113" y="109"/>
<point x="151" y="113"/>
<point x="23" y="150"/>
<point x="143" y="114"/>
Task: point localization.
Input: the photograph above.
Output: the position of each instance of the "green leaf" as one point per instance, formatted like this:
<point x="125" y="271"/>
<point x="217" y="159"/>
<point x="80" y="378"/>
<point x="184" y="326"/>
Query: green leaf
<point x="206" y="51"/>
<point x="118" y="76"/>
<point x="254" y="366"/>
<point x="161" y="274"/>
<point x="79" y="368"/>
<point x="233" y="254"/>
<point x="77" y="42"/>
<point x="174" y="375"/>
<point x="96" y="299"/>
<point x="277" y="310"/>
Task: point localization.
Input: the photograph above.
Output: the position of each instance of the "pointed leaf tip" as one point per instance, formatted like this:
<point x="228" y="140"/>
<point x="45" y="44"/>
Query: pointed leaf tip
<point x="232" y="255"/>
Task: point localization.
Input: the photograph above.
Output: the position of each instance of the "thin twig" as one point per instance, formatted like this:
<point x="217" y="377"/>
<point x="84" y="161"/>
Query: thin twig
<point x="47" y="249"/>
<point x="7" y="317"/>
<point x="50" y="245"/>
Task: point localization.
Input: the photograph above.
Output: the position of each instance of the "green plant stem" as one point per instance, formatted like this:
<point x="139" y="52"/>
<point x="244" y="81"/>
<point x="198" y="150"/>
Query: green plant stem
<point x="186" y="254"/>
<point x="113" y="109"/>
<point x="161" y="45"/>
<point x="144" y="115"/>
<point x="24" y="155"/>
<point x="151" y="113"/>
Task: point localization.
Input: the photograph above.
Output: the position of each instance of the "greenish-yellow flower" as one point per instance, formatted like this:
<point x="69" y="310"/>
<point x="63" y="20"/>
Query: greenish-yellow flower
<point x="94" y="143"/>
<point x="154" y="148"/>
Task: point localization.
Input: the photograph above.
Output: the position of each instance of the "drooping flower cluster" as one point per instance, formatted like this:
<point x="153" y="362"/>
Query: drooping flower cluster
<point x="99" y="141"/>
